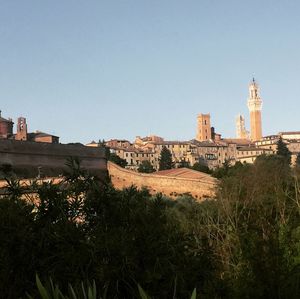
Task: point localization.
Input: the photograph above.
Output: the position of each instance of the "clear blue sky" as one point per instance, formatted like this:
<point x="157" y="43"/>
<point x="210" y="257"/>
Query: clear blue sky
<point x="87" y="70"/>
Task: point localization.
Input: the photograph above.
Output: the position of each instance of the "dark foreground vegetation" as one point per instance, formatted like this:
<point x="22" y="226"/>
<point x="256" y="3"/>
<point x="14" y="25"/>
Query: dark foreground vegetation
<point x="243" y="244"/>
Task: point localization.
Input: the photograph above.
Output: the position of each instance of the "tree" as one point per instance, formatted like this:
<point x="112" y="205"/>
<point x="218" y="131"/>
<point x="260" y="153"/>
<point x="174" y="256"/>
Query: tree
<point x="117" y="160"/>
<point x="183" y="163"/>
<point x="200" y="167"/>
<point x="221" y="172"/>
<point x="146" y="167"/>
<point x="283" y="151"/>
<point x="298" y="160"/>
<point x="165" y="160"/>
<point x="107" y="149"/>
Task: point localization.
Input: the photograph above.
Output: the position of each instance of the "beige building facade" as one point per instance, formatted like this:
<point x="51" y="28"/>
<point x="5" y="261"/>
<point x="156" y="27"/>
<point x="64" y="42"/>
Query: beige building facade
<point x="249" y="154"/>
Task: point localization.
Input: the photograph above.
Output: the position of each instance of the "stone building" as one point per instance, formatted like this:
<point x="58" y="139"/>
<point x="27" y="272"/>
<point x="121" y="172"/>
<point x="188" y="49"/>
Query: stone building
<point x="134" y="157"/>
<point x="214" y="154"/>
<point x="292" y="140"/>
<point x="249" y="154"/>
<point x="182" y="151"/>
<point x="6" y="127"/>
<point x="118" y="143"/>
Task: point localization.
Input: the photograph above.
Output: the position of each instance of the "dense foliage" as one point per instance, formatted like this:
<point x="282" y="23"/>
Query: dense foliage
<point x="243" y="244"/>
<point x="117" y="160"/>
<point x="200" y="167"/>
<point x="283" y="151"/>
<point x="146" y="167"/>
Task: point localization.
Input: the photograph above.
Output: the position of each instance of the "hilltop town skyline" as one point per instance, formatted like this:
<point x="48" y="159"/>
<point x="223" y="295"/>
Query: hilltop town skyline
<point x="243" y="125"/>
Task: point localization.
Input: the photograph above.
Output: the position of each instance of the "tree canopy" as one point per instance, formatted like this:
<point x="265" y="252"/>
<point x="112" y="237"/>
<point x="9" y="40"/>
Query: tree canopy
<point x="146" y="167"/>
<point x="165" y="160"/>
<point x="283" y="151"/>
<point x="200" y="167"/>
<point x="117" y="160"/>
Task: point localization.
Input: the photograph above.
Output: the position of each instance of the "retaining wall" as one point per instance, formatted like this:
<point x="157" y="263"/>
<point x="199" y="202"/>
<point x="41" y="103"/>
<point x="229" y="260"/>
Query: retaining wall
<point x="50" y="159"/>
<point x="170" y="186"/>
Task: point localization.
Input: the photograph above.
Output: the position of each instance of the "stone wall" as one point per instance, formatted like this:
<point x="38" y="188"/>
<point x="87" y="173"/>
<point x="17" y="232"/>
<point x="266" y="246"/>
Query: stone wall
<point x="29" y="158"/>
<point x="170" y="186"/>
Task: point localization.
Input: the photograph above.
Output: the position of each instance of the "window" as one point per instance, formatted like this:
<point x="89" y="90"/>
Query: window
<point x="210" y="157"/>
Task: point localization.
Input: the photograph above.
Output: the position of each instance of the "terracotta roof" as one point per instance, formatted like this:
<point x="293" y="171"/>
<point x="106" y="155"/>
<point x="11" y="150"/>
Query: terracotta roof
<point x="5" y="120"/>
<point x="40" y="134"/>
<point x="208" y="143"/>
<point x="239" y="141"/>
<point x="289" y="133"/>
<point x="247" y="148"/>
<point x="184" y="173"/>
<point x="169" y="142"/>
<point x="117" y="140"/>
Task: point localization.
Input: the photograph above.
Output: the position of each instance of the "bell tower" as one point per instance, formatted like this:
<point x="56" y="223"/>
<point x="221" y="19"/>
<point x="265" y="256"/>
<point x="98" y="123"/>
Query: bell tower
<point x="254" y="106"/>
<point x="203" y="128"/>
<point x="21" y="129"/>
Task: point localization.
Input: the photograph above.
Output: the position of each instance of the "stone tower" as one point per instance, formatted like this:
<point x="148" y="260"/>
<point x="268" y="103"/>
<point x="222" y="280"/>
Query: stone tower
<point x="254" y="106"/>
<point x="241" y="131"/>
<point x="203" y="128"/>
<point x="21" y="129"/>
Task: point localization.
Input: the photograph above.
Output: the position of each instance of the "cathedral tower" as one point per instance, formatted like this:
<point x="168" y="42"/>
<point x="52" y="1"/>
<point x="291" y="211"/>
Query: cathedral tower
<point x="241" y="131"/>
<point x="254" y="106"/>
<point x="203" y="128"/>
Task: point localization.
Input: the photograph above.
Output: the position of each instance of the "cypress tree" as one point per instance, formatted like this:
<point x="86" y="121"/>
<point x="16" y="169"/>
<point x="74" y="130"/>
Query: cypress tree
<point x="283" y="151"/>
<point x="165" y="160"/>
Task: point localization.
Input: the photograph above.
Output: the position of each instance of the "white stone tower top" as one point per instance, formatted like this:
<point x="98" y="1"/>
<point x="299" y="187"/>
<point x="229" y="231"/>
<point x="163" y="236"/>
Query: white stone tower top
<point x="254" y="100"/>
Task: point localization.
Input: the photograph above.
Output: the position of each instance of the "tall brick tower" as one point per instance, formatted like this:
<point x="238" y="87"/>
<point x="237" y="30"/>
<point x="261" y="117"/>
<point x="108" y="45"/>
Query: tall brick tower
<point x="21" y="129"/>
<point x="254" y="106"/>
<point x="203" y="128"/>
